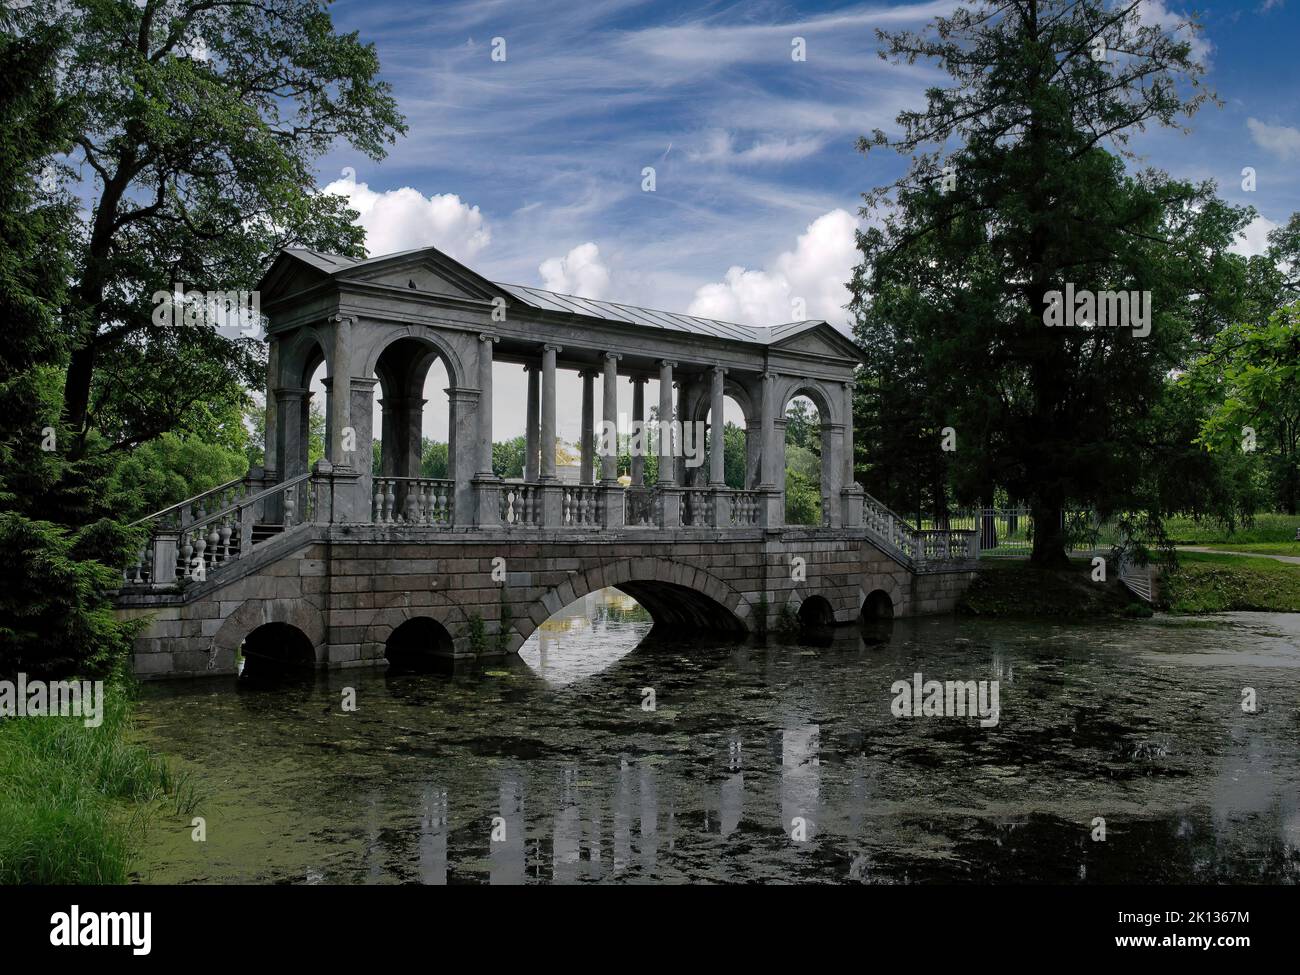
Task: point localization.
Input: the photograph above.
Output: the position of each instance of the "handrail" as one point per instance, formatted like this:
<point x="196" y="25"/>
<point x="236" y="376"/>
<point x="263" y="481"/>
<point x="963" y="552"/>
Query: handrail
<point x="188" y="501"/>
<point x="247" y="500"/>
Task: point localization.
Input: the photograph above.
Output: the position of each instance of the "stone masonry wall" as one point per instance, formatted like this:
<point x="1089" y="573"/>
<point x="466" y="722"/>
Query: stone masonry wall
<point x="348" y="589"/>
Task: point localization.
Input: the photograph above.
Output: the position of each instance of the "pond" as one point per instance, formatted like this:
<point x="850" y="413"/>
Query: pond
<point x="601" y="754"/>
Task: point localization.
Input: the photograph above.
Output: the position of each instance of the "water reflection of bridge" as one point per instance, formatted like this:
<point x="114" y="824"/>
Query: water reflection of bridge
<point x="591" y="838"/>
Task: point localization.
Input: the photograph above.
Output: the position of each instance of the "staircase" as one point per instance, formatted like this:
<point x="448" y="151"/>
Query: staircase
<point x="192" y="539"/>
<point x="917" y="549"/>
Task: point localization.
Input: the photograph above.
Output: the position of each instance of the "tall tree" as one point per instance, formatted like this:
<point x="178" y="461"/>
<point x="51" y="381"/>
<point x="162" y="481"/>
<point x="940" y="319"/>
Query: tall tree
<point x="198" y="123"/>
<point x="1017" y="192"/>
<point x="61" y="557"/>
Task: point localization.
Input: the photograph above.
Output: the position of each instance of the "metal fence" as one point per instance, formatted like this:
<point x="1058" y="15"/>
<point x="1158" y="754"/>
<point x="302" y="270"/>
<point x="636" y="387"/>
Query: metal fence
<point x="1009" y="532"/>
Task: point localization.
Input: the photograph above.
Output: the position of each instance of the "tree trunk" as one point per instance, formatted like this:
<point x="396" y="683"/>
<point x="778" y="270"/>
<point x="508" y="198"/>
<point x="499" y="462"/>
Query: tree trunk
<point x="1049" y="535"/>
<point x="76" y="393"/>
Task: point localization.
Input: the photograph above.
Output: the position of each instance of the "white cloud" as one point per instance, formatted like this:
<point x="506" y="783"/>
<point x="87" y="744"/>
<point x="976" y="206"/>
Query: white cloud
<point x="403" y="219"/>
<point x="817" y="270"/>
<point x="1281" y="140"/>
<point x="580" y="272"/>
<point x="1254" y="239"/>
<point x="719" y="148"/>
<point x="1155" y="14"/>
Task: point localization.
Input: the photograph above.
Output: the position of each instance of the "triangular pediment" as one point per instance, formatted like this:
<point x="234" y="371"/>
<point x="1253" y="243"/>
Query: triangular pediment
<point x="428" y="271"/>
<point x="816" y="338"/>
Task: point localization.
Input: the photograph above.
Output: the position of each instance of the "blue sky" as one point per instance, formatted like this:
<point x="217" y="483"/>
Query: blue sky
<point x="530" y="169"/>
<point x="538" y="160"/>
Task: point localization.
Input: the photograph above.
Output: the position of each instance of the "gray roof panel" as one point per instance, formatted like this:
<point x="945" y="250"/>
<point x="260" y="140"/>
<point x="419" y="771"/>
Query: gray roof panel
<point x="606" y="310"/>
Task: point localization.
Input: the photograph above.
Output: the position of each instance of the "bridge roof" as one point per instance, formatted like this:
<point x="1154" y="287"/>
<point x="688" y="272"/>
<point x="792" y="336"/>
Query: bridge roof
<point x="610" y="311"/>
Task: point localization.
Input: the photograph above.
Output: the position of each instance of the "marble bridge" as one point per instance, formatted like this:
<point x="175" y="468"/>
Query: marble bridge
<point x="334" y="566"/>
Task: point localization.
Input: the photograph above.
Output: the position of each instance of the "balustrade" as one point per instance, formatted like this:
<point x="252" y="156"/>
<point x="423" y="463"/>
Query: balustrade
<point x="186" y="542"/>
<point x="697" y="507"/>
<point x="519" y="505"/>
<point x="413" y="501"/>
<point x="580" y="506"/>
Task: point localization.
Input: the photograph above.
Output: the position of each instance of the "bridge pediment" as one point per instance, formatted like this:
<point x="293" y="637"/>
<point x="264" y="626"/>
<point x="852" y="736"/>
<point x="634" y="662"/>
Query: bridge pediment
<point x="814" y="338"/>
<point x="428" y="271"/>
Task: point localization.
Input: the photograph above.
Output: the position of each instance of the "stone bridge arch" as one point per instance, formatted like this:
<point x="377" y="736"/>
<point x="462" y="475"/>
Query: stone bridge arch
<point x="255" y="612"/>
<point x="400" y="608"/>
<point x="673" y="593"/>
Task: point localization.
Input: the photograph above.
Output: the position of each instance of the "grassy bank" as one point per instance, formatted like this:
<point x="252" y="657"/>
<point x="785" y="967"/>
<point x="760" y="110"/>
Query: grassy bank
<point x="75" y="801"/>
<point x="1265" y="529"/>
<point x="1203" y="583"/>
<point x="1014" y="588"/>
<point x="1206" y="582"/>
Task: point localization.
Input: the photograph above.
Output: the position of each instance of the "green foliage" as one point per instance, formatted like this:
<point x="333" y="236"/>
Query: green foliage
<point x="508" y="457"/>
<point x="803" y="499"/>
<point x="202" y="168"/>
<point x="803" y="426"/>
<point x="61" y="554"/>
<point x="55" y="615"/>
<point x="433" y="458"/>
<point x="954" y="280"/>
<point x="476" y="631"/>
<point x="1251" y="377"/>
<point x="1262" y="528"/>
<point x="168" y="470"/>
<point x="72" y="797"/>
<point x="733" y="455"/>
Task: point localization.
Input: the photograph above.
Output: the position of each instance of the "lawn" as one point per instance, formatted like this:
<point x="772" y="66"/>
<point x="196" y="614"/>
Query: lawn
<point x="1208" y="582"/>
<point x="1265" y="529"/>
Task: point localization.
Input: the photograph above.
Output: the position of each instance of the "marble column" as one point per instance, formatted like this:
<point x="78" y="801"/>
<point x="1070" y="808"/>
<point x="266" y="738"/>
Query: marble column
<point x="717" y="439"/>
<point x="609" y="463"/>
<point x="340" y="397"/>
<point x="667" y="463"/>
<point x="848" y="481"/>
<point x="485" y="343"/>
<point x="530" y="430"/>
<point x="638" y="430"/>
<point x="363" y="402"/>
<point x="547" y="444"/>
<point x="270" y="446"/>
<point x="587" y="474"/>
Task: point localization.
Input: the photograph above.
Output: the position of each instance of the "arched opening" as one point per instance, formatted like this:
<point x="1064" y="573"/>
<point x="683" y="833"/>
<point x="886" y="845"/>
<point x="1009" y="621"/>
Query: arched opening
<point x="815" y="613"/>
<point x="314" y="406"/>
<point x="683" y="613"/>
<point x="739" y="448"/>
<point x="586" y="636"/>
<point x="806" y="499"/>
<point x="420" y="645"/>
<point x="878" y="606"/>
<point x="275" y="650"/>
<point x="413" y="458"/>
<point x="294" y="434"/>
